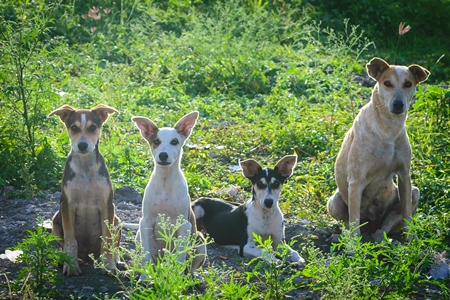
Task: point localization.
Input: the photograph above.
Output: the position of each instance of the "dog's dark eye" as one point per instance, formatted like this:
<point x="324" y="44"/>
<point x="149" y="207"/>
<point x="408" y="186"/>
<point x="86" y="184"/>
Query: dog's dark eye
<point x="407" y="84"/>
<point x="276" y="185"/>
<point x="260" y="185"/>
<point x="388" y="84"/>
<point x="74" y="128"/>
<point x="92" y="128"/>
<point x="156" y="142"/>
<point x="174" y="142"/>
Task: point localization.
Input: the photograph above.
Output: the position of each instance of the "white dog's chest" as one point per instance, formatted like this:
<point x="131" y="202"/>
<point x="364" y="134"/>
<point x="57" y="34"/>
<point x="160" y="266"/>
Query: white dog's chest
<point x="264" y="223"/>
<point x="170" y="202"/>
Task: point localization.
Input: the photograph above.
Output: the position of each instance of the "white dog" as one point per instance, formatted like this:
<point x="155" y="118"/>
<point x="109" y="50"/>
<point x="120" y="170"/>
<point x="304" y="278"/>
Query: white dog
<point x="167" y="191"/>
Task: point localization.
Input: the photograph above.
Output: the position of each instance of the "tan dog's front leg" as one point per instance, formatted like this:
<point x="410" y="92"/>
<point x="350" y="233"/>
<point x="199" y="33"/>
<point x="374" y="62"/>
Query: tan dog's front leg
<point x="70" y="243"/>
<point x="404" y="189"/>
<point x="354" y="205"/>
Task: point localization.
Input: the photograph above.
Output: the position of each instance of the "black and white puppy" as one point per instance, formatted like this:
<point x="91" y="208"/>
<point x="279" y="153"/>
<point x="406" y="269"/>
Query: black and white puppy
<point x="231" y="224"/>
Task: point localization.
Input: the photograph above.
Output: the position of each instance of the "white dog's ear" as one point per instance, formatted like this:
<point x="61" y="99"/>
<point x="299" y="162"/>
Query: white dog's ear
<point x="376" y="67"/>
<point x="250" y="167"/>
<point x="421" y="74"/>
<point x="185" y="124"/>
<point x="286" y="165"/>
<point x="146" y="126"/>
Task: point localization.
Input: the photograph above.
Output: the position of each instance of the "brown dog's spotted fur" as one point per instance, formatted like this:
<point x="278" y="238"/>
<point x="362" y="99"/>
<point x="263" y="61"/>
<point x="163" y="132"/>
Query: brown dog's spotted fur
<point x="87" y="194"/>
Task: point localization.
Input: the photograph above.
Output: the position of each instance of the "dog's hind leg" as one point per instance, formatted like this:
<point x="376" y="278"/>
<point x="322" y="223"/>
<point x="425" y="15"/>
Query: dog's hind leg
<point x="394" y="219"/>
<point x="337" y="208"/>
<point x="200" y="252"/>
<point x="57" y="229"/>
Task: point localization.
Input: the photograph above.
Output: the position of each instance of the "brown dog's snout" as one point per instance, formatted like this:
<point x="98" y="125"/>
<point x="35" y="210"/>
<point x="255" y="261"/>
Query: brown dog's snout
<point x="268" y="202"/>
<point x="82" y="146"/>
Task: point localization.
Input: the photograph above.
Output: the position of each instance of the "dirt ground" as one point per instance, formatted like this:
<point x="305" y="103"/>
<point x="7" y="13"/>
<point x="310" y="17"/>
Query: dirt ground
<point x="19" y="215"/>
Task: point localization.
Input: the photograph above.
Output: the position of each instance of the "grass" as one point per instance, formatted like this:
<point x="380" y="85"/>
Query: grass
<point x="267" y="79"/>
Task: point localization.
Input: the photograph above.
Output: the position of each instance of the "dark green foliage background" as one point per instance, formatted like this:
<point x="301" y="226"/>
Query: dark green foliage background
<point x="269" y="78"/>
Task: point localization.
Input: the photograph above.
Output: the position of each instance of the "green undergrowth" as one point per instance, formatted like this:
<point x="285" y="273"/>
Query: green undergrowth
<point x="268" y="78"/>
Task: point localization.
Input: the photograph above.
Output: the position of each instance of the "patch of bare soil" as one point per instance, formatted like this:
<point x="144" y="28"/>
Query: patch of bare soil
<point x="17" y="216"/>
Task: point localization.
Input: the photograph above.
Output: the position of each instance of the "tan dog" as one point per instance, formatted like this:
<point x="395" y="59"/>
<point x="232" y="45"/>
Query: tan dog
<point x="87" y="194"/>
<point x="374" y="150"/>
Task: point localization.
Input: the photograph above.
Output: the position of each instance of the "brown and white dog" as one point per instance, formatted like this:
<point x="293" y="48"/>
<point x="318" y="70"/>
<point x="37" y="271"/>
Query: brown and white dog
<point x="374" y="150"/>
<point x="87" y="194"/>
<point x="167" y="190"/>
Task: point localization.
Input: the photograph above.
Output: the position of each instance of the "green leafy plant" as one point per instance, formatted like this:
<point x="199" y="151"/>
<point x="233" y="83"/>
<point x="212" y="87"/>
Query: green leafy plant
<point x="39" y="275"/>
<point x="27" y="54"/>
<point x="168" y="278"/>
<point x="275" y="278"/>
<point x="358" y="269"/>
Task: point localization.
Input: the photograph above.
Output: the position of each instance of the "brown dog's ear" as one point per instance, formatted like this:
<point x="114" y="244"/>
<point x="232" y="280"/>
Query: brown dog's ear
<point x="103" y="111"/>
<point x="186" y="123"/>
<point x="286" y="165"/>
<point x="146" y="126"/>
<point x="376" y="67"/>
<point x="64" y="112"/>
<point x="421" y="74"/>
<point x="250" y="167"/>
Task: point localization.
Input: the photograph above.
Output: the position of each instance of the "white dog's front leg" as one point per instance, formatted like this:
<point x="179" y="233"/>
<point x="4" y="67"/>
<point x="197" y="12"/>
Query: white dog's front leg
<point x="183" y="232"/>
<point x="145" y="235"/>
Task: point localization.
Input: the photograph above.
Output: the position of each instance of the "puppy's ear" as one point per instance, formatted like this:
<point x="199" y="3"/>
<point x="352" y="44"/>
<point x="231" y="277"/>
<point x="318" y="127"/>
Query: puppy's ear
<point x="147" y="127"/>
<point x="103" y="111"/>
<point x="64" y="112"/>
<point x="420" y="74"/>
<point x="185" y="124"/>
<point x="286" y="166"/>
<point x="250" y="167"/>
<point x="376" y="67"/>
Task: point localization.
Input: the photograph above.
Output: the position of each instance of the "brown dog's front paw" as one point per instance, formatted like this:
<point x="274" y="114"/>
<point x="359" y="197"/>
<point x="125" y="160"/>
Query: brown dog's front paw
<point x="378" y="236"/>
<point x="75" y="271"/>
<point x="110" y="268"/>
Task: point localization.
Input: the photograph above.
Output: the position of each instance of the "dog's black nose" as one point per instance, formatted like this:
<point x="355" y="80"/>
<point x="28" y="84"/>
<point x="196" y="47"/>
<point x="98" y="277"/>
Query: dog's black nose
<point x="399" y="106"/>
<point x="268" y="203"/>
<point x="163" y="156"/>
<point x="82" y="146"/>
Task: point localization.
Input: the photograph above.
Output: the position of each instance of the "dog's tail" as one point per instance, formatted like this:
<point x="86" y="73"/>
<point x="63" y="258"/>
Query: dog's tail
<point x="198" y="208"/>
<point x="134" y="226"/>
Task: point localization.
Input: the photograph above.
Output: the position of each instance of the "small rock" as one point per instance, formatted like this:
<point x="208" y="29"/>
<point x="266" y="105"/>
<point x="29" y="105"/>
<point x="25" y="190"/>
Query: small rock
<point x="127" y="194"/>
<point x="440" y="269"/>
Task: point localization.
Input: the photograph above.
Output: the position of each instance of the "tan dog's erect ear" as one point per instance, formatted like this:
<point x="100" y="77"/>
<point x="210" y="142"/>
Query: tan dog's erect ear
<point x="103" y="111"/>
<point x="186" y="123"/>
<point x="250" y="167"/>
<point x="64" y="112"/>
<point x="286" y="166"/>
<point x="376" y="67"/>
<point x="421" y="74"/>
<point x="146" y="126"/>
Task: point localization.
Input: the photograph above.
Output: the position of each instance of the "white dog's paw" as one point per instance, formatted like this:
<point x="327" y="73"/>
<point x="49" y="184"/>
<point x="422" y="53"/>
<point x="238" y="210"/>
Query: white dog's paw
<point x="271" y="258"/>
<point x="296" y="258"/>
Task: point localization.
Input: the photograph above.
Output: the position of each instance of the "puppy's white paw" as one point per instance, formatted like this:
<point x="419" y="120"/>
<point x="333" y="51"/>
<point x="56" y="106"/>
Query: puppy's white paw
<point x="296" y="258"/>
